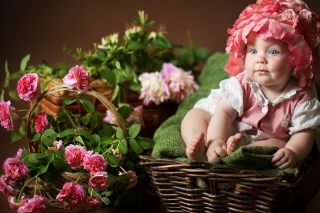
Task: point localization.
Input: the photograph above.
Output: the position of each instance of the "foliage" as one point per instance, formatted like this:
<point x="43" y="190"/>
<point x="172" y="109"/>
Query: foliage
<point x="142" y="51"/>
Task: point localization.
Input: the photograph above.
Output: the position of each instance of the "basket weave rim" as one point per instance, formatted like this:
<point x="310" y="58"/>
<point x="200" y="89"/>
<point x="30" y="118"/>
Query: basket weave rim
<point x="59" y="88"/>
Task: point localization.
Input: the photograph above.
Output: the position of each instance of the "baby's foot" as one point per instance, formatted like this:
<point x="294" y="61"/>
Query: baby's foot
<point x="233" y="143"/>
<point x="196" y="149"/>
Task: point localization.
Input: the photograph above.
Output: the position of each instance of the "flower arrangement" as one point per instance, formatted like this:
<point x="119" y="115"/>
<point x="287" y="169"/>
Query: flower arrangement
<point x="76" y="161"/>
<point x="131" y="65"/>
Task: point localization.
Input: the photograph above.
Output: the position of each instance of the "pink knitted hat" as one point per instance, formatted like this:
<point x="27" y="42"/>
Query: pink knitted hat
<point x="287" y="20"/>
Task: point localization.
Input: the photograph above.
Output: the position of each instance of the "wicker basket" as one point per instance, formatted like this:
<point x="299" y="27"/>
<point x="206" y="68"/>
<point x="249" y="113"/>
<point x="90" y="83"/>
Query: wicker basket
<point x="67" y="176"/>
<point x="202" y="187"/>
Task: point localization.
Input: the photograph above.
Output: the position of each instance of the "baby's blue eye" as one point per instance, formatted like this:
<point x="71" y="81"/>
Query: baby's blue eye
<point x="253" y="51"/>
<point x="273" y="52"/>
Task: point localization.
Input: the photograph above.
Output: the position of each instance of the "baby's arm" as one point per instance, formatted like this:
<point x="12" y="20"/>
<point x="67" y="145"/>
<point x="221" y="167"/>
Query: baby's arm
<point x="296" y="149"/>
<point x="218" y="130"/>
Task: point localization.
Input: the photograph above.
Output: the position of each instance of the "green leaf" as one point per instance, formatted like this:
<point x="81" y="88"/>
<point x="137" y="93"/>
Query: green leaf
<point x="36" y="137"/>
<point x="161" y="43"/>
<point x="145" y="143"/>
<point x="16" y="76"/>
<point x="88" y="105"/>
<point x="60" y="164"/>
<point x="50" y="158"/>
<point x="134" y="130"/>
<point x="115" y="92"/>
<point x="105" y="200"/>
<point x="22" y="127"/>
<point x="106" y="142"/>
<point x="125" y="111"/>
<point x="109" y="76"/>
<point x="123" y="148"/>
<point x="93" y="192"/>
<point x="125" y="178"/>
<point x="186" y="56"/>
<point x="111" y="178"/>
<point x="95" y="140"/>
<point x="80" y="140"/>
<point x="6" y="83"/>
<point x="48" y="136"/>
<point x="135" y="146"/>
<point x="130" y="166"/>
<point x="113" y="162"/>
<point x="119" y="134"/>
<point x="49" y="133"/>
<point x="66" y="133"/>
<point x="43" y="169"/>
<point x="85" y="119"/>
<point x="202" y="54"/>
<point x="136" y="45"/>
<point x="101" y="55"/>
<point x="107" y="193"/>
<point x="44" y="85"/>
<point x="149" y="23"/>
<point x="15" y="137"/>
<point x="41" y="155"/>
<point x="14" y="95"/>
<point x="24" y="154"/>
<point x="24" y="62"/>
<point x="85" y="133"/>
<point x="69" y="101"/>
<point x="65" y="49"/>
<point x="32" y="159"/>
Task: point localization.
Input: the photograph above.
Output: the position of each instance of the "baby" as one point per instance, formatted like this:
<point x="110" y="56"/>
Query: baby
<point x="274" y="57"/>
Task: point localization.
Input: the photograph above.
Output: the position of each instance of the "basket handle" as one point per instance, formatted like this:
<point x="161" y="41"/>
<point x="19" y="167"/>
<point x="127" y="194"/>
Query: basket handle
<point x="59" y="88"/>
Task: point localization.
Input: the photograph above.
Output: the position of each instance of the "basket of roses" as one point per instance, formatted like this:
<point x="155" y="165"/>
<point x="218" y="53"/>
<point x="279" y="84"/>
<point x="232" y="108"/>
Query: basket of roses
<point x="76" y="161"/>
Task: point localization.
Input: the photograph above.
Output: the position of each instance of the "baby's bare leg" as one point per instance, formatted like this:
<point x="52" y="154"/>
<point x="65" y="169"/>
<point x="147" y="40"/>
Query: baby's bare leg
<point x="233" y="143"/>
<point x="193" y="132"/>
<point x="270" y="142"/>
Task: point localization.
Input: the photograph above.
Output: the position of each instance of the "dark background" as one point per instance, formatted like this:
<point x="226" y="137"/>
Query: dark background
<point x="41" y="28"/>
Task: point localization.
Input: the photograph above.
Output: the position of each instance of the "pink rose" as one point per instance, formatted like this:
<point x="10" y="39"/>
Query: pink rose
<point x="305" y="16"/>
<point x="7" y="115"/>
<point x="109" y="118"/>
<point x="40" y="122"/>
<point x="135" y="115"/>
<point x="15" y="168"/>
<point x="181" y="84"/>
<point x="92" y="204"/>
<point x="7" y="186"/>
<point x="153" y="88"/>
<point x="57" y="145"/>
<point x="167" y="69"/>
<point x="27" y="87"/>
<point x="133" y="180"/>
<point x="289" y="15"/>
<point x="71" y="196"/>
<point x="99" y="181"/>
<point x="94" y="162"/>
<point x="37" y="204"/>
<point x="78" y="78"/>
<point x="13" y="204"/>
<point x="19" y="153"/>
<point x="75" y="155"/>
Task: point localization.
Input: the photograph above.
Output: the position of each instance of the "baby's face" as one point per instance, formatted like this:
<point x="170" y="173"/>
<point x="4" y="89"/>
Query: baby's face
<point x="267" y="62"/>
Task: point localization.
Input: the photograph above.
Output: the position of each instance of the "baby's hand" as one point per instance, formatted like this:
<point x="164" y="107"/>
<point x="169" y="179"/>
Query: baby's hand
<point x="284" y="158"/>
<point x="216" y="149"/>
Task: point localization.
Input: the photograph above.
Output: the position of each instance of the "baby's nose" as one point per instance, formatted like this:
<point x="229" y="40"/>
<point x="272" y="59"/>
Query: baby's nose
<point x="261" y="60"/>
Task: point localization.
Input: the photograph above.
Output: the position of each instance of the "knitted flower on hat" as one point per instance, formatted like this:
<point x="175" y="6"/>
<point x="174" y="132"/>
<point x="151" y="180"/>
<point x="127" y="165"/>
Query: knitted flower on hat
<point x="287" y="20"/>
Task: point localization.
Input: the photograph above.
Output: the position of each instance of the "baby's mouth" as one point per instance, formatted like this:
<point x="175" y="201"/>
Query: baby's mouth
<point x="262" y="72"/>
